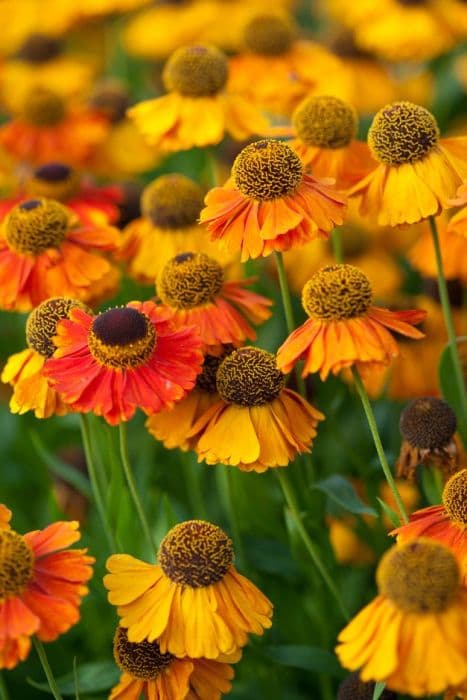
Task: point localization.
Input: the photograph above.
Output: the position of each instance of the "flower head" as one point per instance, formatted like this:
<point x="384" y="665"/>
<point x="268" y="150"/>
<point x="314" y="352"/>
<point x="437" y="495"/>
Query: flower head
<point x="41" y="585"/>
<point x="352" y="688"/>
<point x="344" y="328"/>
<point x="195" y="580"/>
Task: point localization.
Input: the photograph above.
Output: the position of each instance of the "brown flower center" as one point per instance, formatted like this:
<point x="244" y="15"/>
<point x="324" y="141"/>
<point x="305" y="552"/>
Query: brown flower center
<point x="54" y="181"/>
<point x="43" y="107"/>
<point x="143" y="660"/>
<point x="39" y="48"/>
<point x="269" y="35"/>
<point x="455" y="497"/>
<point x="336" y="292"/>
<point x="190" y="280"/>
<point x="267" y="170"/>
<point x="172" y="202"/>
<point x="16" y="564"/>
<point x="428" y="423"/>
<point x="206" y="380"/>
<point x="35" y="225"/>
<point x="122" y="338"/>
<point x="352" y="688"/>
<point x="196" y="71"/>
<point x="249" y="377"/>
<point x="41" y="324"/>
<point x="325" y="122"/>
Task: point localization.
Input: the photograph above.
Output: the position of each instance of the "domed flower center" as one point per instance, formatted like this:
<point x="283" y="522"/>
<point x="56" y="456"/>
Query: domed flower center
<point x="41" y="325"/>
<point x="402" y="132"/>
<point x="43" y="108"/>
<point x="352" y="688"/>
<point x="112" y="99"/>
<point x="267" y="170"/>
<point x="336" y="292"/>
<point x="189" y="280"/>
<point x="455" y="497"/>
<point x="39" y="48"/>
<point x="196" y="71"/>
<point x="53" y="180"/>
<point x="428" y="423"/>
<point x="35" y="225"/>
<point x="269" y="35"/>
<point x="325" y="122"/>
<point x="206" y="381"/>
<point x="196" y="554"/>
<point x="249" y="377"/>
<point x="420" y="576"/>
<point x="16" y="564"/>
<point x="172" y="202"/>
<point x="143" y="660"/>
<point x="122" y="338"/>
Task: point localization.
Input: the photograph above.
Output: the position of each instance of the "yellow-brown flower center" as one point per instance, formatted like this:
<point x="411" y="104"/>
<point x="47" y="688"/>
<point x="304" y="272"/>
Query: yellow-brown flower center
<point x="35" y="225"/>
<point x="267" y="170"/>
<point x="39" y="48"/>
<point x="352" y="688"/>
<point x="16" y="564"/>
<point x="189" y="280"/>
<point x="325" y="122"/>
<point x="122" y="338"/>
<point x="196" y="71"/>
<point x="428" y="423"/>
<point x="41" y="324"/>
<point x="112" y="99"/>
<point x="143" y="660"/>
<point x="419" y="576"/>
<point x="172" y="202"/>
<point x="269" y="34"/>
<point x="206" y="380"/>
<point x="54" y="181"/>
<point x="455" y="497"/>
<point x="336" y="292"/>
<point x="43" y="107"/>
<point x="196" y="554"/>
<point x="402" y="132"/>
<point x="249" y="377"/>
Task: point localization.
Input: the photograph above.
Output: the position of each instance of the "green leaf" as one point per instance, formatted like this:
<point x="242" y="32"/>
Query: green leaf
<point x="378" y="691"/>
<point x="340" y="490"/>
<point x="450" y="389"/>
<point x="90" y="678"/>
<point x="305" y="657"/>
<point x="61" y="469"/>
<point x="392" y="515"/>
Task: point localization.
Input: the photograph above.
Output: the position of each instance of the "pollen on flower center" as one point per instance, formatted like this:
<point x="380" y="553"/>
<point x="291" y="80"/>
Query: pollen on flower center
<point x="336" y="292"/>
<point x="143" y="660"/>
<point x="43" y="107"/>
<point x="35" y="225"/>
<point x="172" y="202"/>
<point x="16" y="563"/>
<point x="41" y="324"/>
<point x="455" y="497"/>
<point x="402" y="132"/>
<point x="428" y="423"/>
<point x="206" y="380"/>
<point x="196" y="71"/>
<point x="122" y="338"/>
<point x="267" y="170"/>
<point x="195" y="553"/>
<point x="268" y="35"/>
<point x="419" y="576"/>
<point x="189" y="280"/>
<point x="325" y="122"/>
<point x="249" y="377"/>
<point x="53" y="180"/>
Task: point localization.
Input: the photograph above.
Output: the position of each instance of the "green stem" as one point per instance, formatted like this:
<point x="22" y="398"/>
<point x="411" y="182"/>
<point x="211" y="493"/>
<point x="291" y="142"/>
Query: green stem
<point x="224" y="484"/>
<point x="370" y="416"/>
<point x="132" y="485"/>
<point x="93" y="478"/>
<point x="195" y="493"/>
<point x="4" y="695"/>
<point x="46" y="667"/>
<point x="337" y="249"/>
<point x="288" y="312"/>
<point x="312" y="551"/>
<point x="448" y="320"/>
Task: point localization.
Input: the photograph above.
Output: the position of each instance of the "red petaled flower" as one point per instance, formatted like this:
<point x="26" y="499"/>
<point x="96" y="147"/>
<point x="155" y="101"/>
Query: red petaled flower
<point x="123" y="359"/>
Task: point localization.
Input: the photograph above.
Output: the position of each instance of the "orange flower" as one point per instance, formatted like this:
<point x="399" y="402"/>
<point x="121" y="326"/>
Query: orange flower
<point x="123" y="359"/>
<point x="453" y="243"/>
<point x="344" y="329"/>
<point x="41" y="585"/>
<point x="270" y="203"/>
<point x="45" y="252"/>
<point x="46" y="130"/>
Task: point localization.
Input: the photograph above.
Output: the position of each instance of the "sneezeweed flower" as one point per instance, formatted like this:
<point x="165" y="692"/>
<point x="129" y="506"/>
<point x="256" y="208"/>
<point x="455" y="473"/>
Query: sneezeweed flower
<point x="412" y="635"/>
<point x="45" y="251"/>
<point x="42" y="583"/>
<point x="193" y="289"/>
<point x="352" y="688"/>
<point x="175" y="425"/>
<point x="147" y="671"/>
<point x="344" y="328"/>
<point x="197" y="111"/>
<point x="270" y="203"/>
<point x="170" y="207"/>
<point x="349" y="549"/>
<point x="123" y="359"/>
<point x="417" y="173"/>
<point x="193" y="602"/>
<point x="446" y="523"/>
<point x="24" y="370"/>
<point x="428" y="427"/>
<point x="46" y="129"/>
<point x="453" y="244"/>
<point x="257" y="423"/>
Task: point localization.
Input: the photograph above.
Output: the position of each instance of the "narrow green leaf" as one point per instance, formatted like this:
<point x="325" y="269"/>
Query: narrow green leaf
<point x="392" y="515"/>
<point x="378" y="691"/>
<point x="305" y="657"/>
<point x="341" y="491"/>
<point x="59" y="468"/>
<point x="450" y="389"/>
<point x="90" y="678"/>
